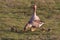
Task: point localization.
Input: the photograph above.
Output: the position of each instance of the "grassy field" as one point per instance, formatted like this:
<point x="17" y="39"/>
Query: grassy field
<point x="17" y="13"/>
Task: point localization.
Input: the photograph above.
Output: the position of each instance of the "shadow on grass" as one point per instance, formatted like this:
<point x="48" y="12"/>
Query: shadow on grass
<point x="7" y="39"/>
<point x="4" y="38"/>
<point x="22" y="32"/>
<point x="29" y="32"/>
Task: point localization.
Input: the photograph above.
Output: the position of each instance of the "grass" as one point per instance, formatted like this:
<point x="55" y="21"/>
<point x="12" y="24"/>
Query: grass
<point x="18" y="12"/>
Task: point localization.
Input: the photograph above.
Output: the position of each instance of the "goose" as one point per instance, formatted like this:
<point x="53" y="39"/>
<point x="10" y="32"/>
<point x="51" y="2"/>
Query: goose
<point x="34" y="21"/>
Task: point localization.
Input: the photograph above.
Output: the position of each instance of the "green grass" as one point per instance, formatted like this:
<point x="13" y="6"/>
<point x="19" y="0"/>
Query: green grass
<point x="17" y="13"/>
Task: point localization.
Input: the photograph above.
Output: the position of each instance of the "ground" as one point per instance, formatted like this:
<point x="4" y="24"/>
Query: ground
<point x="16" y="13"/>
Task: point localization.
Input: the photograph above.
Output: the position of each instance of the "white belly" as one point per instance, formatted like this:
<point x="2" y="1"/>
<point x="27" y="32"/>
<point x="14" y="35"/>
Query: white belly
<point x="36" y="18"/>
